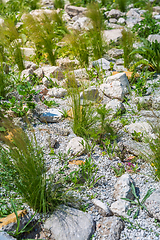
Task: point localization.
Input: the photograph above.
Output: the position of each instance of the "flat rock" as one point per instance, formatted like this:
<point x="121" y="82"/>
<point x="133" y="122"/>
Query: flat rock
<point x="142" y="127"/>
<point x="51" y="115"/>
<point x="70" y="224"/>
<point x="114" y="13"/>
<point x="111" y="228"/>
<point x="115" y="52"/>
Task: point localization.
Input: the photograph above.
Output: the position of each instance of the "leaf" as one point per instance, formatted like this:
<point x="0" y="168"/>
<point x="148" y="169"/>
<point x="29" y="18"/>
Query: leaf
<point x="134" y="190"/>
<point x="149" y="192"/>
<point x="136" y="214"/>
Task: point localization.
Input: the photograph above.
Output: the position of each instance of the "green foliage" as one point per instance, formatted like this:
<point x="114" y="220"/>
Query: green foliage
<point x="58" y="4"/>
<point x="45" y="33"/>
<point x="122" y="4"/>
<point x="127" y="45"/>
<point x="139" y="205"/>
<point x="24" y="160"/>
<point x="50" y="103"/>
<point x="10" y="41"/>
<point x="137" y="136"/>
<point x="151" y="54"/>
<point x="147" y="26"/>
<point x="119" y="171"/>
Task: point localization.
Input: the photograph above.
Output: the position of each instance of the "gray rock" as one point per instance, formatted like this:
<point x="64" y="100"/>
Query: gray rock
<point x="75" y="146"/>
<point x="70" y="224"/>
<point x="121" y="20"/>
<point x="153" y="204"/>
<point x="113" y="90"/>
<point x="114" y="13"/>
<point x="101" y="63"/>
<point x="29" y="64"/>
<point x="157" y="17"/>
<point x="156" y="102"/>
<point x="80" y="73"/>
<point x="111" y="228"/>
<point x="120" y="208"/>
<point x="73" y="10"/>
<point x="28" y="52"/>
<point x="115" y="52"/>
<point x="122" y="78"/>
<point x="156" y="9"/>
<point x="51" y="115"/>
<point x="39" y="73"/>
<point x="57" y="92"/>
<point x="53" y="72"/>
<point x="82" y="23"/>
<point x="112" y="20"/>
<point x="27" y="74"/>
<point x="112" y="35"/>
<point x="104" y="210"/>
<point x="154" y="37"/>
<point x="143" y="127"/>
<point x="91" y="94"/>
<point x="120" y="61"/>
<point x="115" y="105"/>
<point x="123" y="187"/>
<point x="5" y="236"/>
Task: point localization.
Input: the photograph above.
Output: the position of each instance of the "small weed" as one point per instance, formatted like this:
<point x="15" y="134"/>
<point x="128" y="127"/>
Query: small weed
<point x="119" y="171"/>
<point x="137" y="136"/>
<point x="50" y="103"/>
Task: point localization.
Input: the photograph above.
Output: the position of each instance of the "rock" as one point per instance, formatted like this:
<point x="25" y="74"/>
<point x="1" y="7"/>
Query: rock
<point x="115" y="52"/>
<point x="115" y="105"/>
<point x="133" y="13"/>
<point x="112" y="35"/>
<point x="133" y="17"/>
<point x="112" y="20"/>
<point x="75" y="146"/>
<point x="143" y="127"/>
<point x="156" y="102"/>
<point x="39" y="73"/>
<point x="5" y="236"/>
<point x="157" y="17"/>
<point x="122" y="78"/>
<point x="113" y="90"/>
<point x="51" y="115"/>
<point x="82" y="23"/>
<point x="154" y="37"/>
<point x="91" y="94"/>
<point x="120" y="208"/>
<point x="104" y="210"/>
<point x="57" y="92"/>
<point x="39" y="13"/>
<point x="73" y="10"/>
<point x="111" y="228"/>
<point x="53" y="72"/>
<point x="114" y="13"/>
<point x="1" y="21"/>
<point x="120" y="61"/>
<point x="101" y="63"/>
<point x="156" y="9"/>
<point x="28" y="52"/>
<point x="123" y="187"/>
<point x="27" y="74"/>
<point x="70" y="224"/>
<point x="66" y="63"/>
<point x="43" y="89"/>
<point x="81" y="73"/>
<point x="153" y="204"/>
<point x="29" y="64"/>
<point x="121" y="21"/>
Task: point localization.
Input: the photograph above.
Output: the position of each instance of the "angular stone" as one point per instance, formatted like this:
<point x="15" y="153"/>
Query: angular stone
<point x="66" y="63"/>
<point x="28" y="52"/>
<point x="91" y="93"/>
<point x="75" y="146"/>
<point x="104" y="210"/>
<point x="82" y="23"/>
<point x="123" y="187"/>
<point x="111" y="228"/>
<point x="154" y="37"/>
<point x="5" y="236"/>
<point x="27" y="74"/>
<point x="153" y="204"/>
<point x="39" y="72"/>
<point x="121" y="20"/>
<point x="143" y="127"/>
<point x="51" y="115"/>
<point x="115" y="105"/>
<point x="53" y="72"/>
<point x="115" y="52"/>
<point x="114" y="13"/>
<point x="113" y="90"/>
<point x="120" y="208"/>
<point x="81" y="73"/>
<point x="70" y="224"/>
<point x="122" y="78"/>
<point x="57" y="92"/>
<point x="102" y="63"/>
<point x="112" y="35"/>
<point x="156" y="9"/>
<point x="73" y="10"/>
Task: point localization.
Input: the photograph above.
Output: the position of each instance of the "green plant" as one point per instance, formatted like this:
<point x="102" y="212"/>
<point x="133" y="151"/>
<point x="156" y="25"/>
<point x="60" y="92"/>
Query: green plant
<point x="119" y="171"/>
<point x="58" y="4"/>
<point x="127" y="45"/>
<point x="50" y="103"/>
<point x="17" y="233"/>
<point x="139" y="205"/>
<point x="122" y="5"/>
<point x="10" y="40"/>
<point x="45" y="33"/>
<point x="147" y="26"/>
<point x="137" y="136"/>
<point x="23" y="159"/>
<point x="125" y="121"/>
<point x="151" y="54"/>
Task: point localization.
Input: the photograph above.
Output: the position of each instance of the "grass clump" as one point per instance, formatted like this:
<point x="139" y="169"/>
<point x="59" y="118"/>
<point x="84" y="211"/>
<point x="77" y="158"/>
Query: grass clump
<point x="23" y="160"/>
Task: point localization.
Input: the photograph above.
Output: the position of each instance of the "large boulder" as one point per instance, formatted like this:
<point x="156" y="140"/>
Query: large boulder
<point x="70" y="224"/>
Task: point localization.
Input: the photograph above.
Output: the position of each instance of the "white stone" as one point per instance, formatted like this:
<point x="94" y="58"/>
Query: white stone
<point x="120" y="208"/>
<point x="51" y="115"/>
<point x="113" y="90"/>
<point x="143" y="127"/>
<point x="75" y="146"/>
<point x="103" y="208"/>
<point x="121" y="20"/>
<point x="153" y="204"/>
<point x="112" y="35"/>
<point x="101" y="63"/>
<point x="115" y="13"/>
<point x="115" y="105"/>
<point x="154" y="37"/>
<point x="91" y="93"/>
<point x="53" y="72"/>
<point x="57" y="92"/>
<point x="82" y="23"/>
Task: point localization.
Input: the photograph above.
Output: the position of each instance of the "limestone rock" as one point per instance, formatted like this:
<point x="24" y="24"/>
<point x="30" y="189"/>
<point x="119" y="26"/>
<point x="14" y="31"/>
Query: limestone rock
<point x="153" y="204"/>
<point x="112" y="35"/>
<point x="73" y="10"/>
<point x="115" y="105"/>
<point x="39" y="72"/>
<point x="27" y="74"/>
<point x="75" y="146"/>
<point x="51" y="115"/>
<point x="91" y="93"/>
<point x="123" y="187"/>
<point x="120" y="208"/>
<point x="101" y="63"/>
<point x="111" y="228"/>
<point x="68" y="223"/>
<point x="154" y="37"/>
<point x="113" y="90"/>
<point x="104" y="210"/>
<point x="53" y="72"/>
<point x="115" y="52"/>
<point x="57" y="92"/>
<point x="143" y="127"/>
<point x="122" y="78"/>
<point x="82" y="23"/>
<point x="5" y="236"/>
<point x="114" y="13"/>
